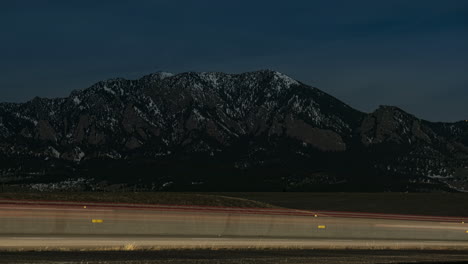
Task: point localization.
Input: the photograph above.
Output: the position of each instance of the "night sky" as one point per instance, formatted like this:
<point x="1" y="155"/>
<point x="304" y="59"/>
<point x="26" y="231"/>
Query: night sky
<point x="412" y="54"/>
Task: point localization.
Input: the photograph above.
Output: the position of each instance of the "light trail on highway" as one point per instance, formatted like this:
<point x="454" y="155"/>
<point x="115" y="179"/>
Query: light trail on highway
<point x="36" y="224"/>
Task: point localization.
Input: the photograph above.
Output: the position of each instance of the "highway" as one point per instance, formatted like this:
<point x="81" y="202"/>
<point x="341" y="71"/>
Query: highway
<point x="64" y="225"/>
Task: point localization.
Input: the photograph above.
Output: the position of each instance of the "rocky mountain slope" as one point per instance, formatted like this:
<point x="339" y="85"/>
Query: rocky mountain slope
<point x="214" y="131"/>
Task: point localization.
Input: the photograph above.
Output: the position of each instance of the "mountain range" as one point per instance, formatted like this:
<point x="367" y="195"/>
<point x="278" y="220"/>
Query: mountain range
<point x="210" y="131"/>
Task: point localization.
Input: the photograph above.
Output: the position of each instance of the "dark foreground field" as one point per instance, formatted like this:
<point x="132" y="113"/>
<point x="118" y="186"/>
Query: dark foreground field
<point x="238" y="256"/>
<point x="166" y="198"/>
<point x="437" y="204"/>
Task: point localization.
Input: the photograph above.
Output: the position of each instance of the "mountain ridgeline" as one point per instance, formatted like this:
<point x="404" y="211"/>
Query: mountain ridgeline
<point x="255" y="131"/>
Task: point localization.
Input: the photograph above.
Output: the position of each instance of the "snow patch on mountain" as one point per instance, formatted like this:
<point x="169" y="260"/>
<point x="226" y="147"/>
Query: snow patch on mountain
<point x="288" y="81"/>
<point x="76" y="100"/>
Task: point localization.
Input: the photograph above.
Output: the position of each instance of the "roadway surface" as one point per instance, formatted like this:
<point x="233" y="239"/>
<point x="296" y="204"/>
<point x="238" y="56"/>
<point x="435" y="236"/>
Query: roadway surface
<point x="28" y="225"/>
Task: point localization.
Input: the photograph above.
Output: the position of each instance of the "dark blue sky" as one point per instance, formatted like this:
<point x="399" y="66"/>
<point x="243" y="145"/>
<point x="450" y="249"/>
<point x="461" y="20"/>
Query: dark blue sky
<point x="412" y="54"/>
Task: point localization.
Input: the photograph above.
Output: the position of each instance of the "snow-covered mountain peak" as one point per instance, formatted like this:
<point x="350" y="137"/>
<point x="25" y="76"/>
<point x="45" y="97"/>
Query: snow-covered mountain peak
<point x="161" y="75"/>
<point x="285" y="79"/>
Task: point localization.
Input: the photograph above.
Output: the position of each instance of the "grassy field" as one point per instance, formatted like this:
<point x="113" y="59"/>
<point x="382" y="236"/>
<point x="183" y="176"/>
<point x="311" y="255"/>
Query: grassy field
<point x="239" y="257"/>
<point x="140" y="198"/>
<point x="440" y="204"/>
